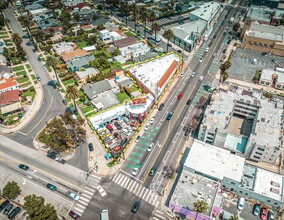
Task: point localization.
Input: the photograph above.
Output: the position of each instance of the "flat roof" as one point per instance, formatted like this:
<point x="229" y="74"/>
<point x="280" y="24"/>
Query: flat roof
<point x="149" y="73"/>
<point x="206" y="11"/>
<point x="219" y="163"/>
<point x="267" y="74"/>
<point x="259" y="13"/>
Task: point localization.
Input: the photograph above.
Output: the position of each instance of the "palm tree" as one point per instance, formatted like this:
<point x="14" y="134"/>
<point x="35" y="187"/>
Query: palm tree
<point x="16" y="38"/>
<point x="234" y="217"/>
<point x="125" y="10"/>
<point x="200" y="206"/>
<point x="155" y="27"/>
<point x="52" y="61"/>
<point x="133" y="8"/>
<point x="168" y="35"/>
<point x="71" y="93"/>
<point x="143" y="17"/>
<point x="26" y="22"/>
<point x="152" y="17"/>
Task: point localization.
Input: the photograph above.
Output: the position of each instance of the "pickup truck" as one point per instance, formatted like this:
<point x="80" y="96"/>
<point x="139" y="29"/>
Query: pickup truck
<point x="72" y="196"/>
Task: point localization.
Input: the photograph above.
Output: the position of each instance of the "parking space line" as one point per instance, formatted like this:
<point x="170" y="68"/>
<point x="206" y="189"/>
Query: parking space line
<point x="147" y="138"/>
<point x="151" y="133"/>
<point x="133" y="160"/>
<point x="129" y="165"/>
<point x="139" y="148"/>
<point x="136" y="154"/>
<point x="142" y="142"/>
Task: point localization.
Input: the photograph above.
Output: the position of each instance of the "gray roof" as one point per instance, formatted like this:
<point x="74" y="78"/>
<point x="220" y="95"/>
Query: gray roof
<point x="92" y="90"/>
<point x="124" y="81"/>
<point x="266" y="31"/>
<point x="107" y="99"/>
<point x="86" y="72"/>
<point x="79" y="62"/>
<point x="33" y="7"/>
<point x="102" y="21"/>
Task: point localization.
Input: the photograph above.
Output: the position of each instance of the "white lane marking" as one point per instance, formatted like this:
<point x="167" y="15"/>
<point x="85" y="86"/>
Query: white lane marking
<point x="87" y="200"/>
<point x="159" y="125"/>
<point x="126" y="183"/>
<point x="86" y="196"/>
<point x="157" y="203"/>
<point x="149" y="195"/>
<point x="160" y="212"/>
<point x="166" y="156"/>
<point x="143" y="188"/>
<point x="84" y="203"/>
<point x="165" y="114"/>
<point x="88" y="192"/>
<point x="175" y="137"/>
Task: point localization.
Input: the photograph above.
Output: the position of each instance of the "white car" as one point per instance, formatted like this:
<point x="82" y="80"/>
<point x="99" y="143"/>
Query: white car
<point x="192" y="74"/>
<point x="241" y="203"/>
<point x="201" y="78"/>
<point x="201" y="59"/>
<point x="137" y="139"/>
<point x="147" y="127"/>
<point x="152" y="120"/>
<point x="150" y="147"/>
<point x="135" y="171"/>
<point x="101" y="190"/>
<point x="181" y="75"/>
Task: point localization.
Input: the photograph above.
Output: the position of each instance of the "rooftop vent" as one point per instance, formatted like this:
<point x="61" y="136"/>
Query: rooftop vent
<point x="274" y="190"/>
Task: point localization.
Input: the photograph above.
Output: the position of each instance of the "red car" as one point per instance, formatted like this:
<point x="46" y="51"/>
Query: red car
<point x="109" y="127"/>
<point x="74" y="215"/>
<point x="179" y="96"/>
<point x="263" y="214"/>
<point x="116" y="135"/>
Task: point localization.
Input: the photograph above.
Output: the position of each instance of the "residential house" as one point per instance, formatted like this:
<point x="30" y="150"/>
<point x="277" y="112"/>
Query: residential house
<point x="48" y="23"/>
<point x="125" y="42"/>
<point x="86" y="27"/>
<point x="87" y="14"/>
<point x="68" y="56"/>
<point x="2" y="45"/>
<point x="37" y="12"/>
<point x="7" y="84"/>
<point x="79" y="62"/>
<point x="89" y="48"/>
<point x="10" y="102"/>
<point x="62" y="47"/>
<point x="124" y="81"/>
<point x="3" y="60"/>
<point x="85" y="74"/>
<point x="134" y="50"/>
<point x="104" y="35"/>
<point x="71" y="3"/>
<point x="93" y="90"/>
<point x="33" y="6"/>
<point x="81" y="6"/>
<point x="100" y="21"/>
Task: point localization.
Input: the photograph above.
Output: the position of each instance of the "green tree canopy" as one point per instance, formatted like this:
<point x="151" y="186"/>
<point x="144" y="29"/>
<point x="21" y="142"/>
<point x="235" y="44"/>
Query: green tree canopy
<point x="200" y="206"/>
<point x="234" y="217"/>
<point x="11" y="190"/>
<point x="36" y="208"/>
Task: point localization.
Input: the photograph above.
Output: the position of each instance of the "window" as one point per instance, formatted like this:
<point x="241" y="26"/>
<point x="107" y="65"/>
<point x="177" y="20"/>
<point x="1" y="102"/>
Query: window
<point x="256" y="157"/>
<point x="258" y="153"/>
<point x="268" y="200"/>
<point x="246" y="194"/>
<point x="233" y="183"/>
<point x="261" y="149"/>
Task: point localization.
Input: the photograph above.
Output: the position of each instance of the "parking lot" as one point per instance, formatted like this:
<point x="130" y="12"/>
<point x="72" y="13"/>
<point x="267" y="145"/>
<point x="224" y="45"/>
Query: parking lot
<point x="242" y="67"/>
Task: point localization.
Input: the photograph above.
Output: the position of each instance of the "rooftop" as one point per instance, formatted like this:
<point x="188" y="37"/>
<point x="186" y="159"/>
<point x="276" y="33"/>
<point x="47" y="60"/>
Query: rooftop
<point x="63" y="45"/>
<point x="6" y="83"/>
<point x="92" y="90"/>
<point x="66" y="56"/>
<point x="9" y="96"/>
<point x="125" y="42"/>
<point x="86" y="72"/>
<point x="267" y="74"/>
<point x="105" y="100"/>
<point x="206" y="11"/>
<point x="220" y="163"/>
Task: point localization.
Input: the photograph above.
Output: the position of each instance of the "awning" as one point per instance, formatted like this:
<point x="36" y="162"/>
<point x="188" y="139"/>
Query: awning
<point x="11" y="108"/>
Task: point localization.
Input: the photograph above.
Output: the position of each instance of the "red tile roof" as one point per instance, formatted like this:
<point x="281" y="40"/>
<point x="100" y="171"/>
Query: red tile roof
<point x="9" y="97"/>
<point x="167" y="74"/>
<point x="81" y="5"/>
<point x="7" y="83"/>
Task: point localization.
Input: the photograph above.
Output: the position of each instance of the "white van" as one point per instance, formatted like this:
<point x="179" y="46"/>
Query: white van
<point x="125" y="131"/>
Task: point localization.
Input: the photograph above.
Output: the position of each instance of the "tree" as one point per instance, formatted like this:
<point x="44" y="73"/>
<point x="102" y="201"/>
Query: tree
<point x="52" y="61"/>
<point x="93" y="39"/>
<point x="168" y="35"/>
<point x="26" y="22"/>
<point x="125" y="11"/>
<point x="152" y="17"/>
<point x="225" y="75"/>
<point x="36" y="208"/>
<point x="200" y="206"/>
<point x="133" y="8"/>
<point x="11" y="190"/>
<point x="16" y="38"/>
<point x="71" y="93"/>
<point x="100" y="7"/>
<point x="226" y="65"/>
<point x="155" y="27"/>
<point x="236" y="27"/>
<point x="143" y="17"/>
<point x="100" y="27"/>
<point x="76" y="17"/>
<point x="234" y="217"/>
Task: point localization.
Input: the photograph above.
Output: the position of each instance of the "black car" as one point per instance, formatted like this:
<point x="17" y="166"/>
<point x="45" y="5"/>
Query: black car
<point x="188" y="102"/>
<point x="225" y="50"/>
<point x="215" y="36"/>
<point x="14" y="212"/>
<point x="263" y="53"/>
<point x="123" y="142"/>
<point x="161" y="107"/>
<point x="60" y="160"/>
<point x="3" y="205"/>
<point x="152" y="172"/>
<point x="23" y="167"/>
<point x="8" y="209"/>
<point x="187" y="133"/>
<point x="51" y="155"/>
<point x="135" y="207"/>
<point x="117" y="125"/>
<point x="64" y="102"/>
<point x="179" y="51"/>
<point x="90" y="146"/>
<point x="210" y="44"/>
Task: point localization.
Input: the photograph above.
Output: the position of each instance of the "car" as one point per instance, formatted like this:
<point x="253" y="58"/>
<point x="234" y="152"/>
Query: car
<point x="161" y="107"/>
<point x="215" y="35"/>
<point x="210" y="44"/>
<point x="123" y="142"/>
<point x="152" y="171"/>
<point x="135" y="207"/>
<point x="117" y="125"/>
<point x="273" y="60"/>
<point x="14" y="212"/>
<point x="109" y="127"/>
<point x="29" y="43"/>
<point x="206" y="49"/>
<point x="270" y="215"/>
<point x="137" y="139"/>
<point x="149" y="148"/>
<point x="4" y="205"/>
<point x="74" y="215"/>
<point x="147" y="126"/>
<point x="64" y="102"/>
<point x="181" y="75"/>
<point x="38" y="78"/>
<point x="186" y="133"/>
<point x="23" y="167"/>
<point x="8" y="208"/>
<point x="179" y="96"/>
<point x="169" y="116"/>
<point x="256" y="209"/>
<point x="192" y="74"/>
<point x="90" y="146"/>
<point x="51" y="187"/>
<point x="179" y="51"/>
<point x="200" y="60"/>
<point x="101" y="190"/>
<point x="51" y="155"/>
<point x="263" y="213"/>
<point x="241" y="203"/>
<point x="25" y="36"/>
<point x="116" y="135"/>
<point x="225" y="50"/>
<point x="152" y="120"/>
<point x="188" y="102"/>
<point x="169" y="45"/>
<point x="214" y="54"/>
<point x="61" y="160"/>
<point x="201" y="78"/>
<point x="136" y="169"/>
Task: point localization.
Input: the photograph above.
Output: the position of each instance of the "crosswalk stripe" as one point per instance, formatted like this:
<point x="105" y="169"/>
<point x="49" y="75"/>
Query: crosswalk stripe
<point x="126" y="183"/>
<point x="95" y="180"/>
<point x="86" y="196"/>
<point x="115" y="177"/>
<point x="88" y="188"/>
<point x="88" y="200"/>
<point x="157" y="203"/>
<point x="160" y="216"/>
<point x="84" y="203"/>
<point x="91" y="193"/>
<point x="154" y="218"/>
<point x="136" y="187"/>
<point x="160" y="212"/>
<point x="151" y="198"/>
<point x="134" y="184"/>
<point x="143" y="188"/>
<point x="145" y="194"/>
<point x="96" y="177"/>
<point x="129" y="185"/>
<point x="139" y="190"/>
<point x="120" y="179"/>
<point x="149" y="195"/>
<point x="81" y="206"/>
<point x="79" y="210"/>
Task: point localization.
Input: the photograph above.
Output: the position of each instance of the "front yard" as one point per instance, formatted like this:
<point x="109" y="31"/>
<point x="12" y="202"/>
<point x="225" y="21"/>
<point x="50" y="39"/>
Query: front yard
<point x="122" y="96"/>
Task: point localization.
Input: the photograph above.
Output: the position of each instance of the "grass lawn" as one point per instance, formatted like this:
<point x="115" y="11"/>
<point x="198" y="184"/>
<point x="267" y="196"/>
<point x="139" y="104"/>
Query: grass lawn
<point x="33" y="76"/>
<point x="3" y="32"/>
<point x="7" y="41"/>
<point x="67" y="99"/>
<point x="69" y="82"/>
<point x="30" y="70"/>
<point x="28" y="66"/>
<point x="21" y="73"/>
<point x="129" y="34"/>
<point x="4" y="36"/>
<point x="62" y="90"/>
<point x="90" y="114"/>
<point x="18" y="68"/>
<point x="28" y="93"/>
<point x="24" y="85"/>
<point x="79" y="102"/>
<point x="48" y="68"/>
<point x="133" y="88"/>
<point x="80" y="93"/>
<point x="122" y="96"/>
<point x="9" y="120"/>
<point x="87" y="109"/>
<point x="82" y="44"/>
<point x="22" y="80"/>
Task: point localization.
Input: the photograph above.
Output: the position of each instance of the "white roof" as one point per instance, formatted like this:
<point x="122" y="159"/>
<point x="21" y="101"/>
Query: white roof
<point x="263" y="184"/>
<point x="215" y="162"/>
<point x="267" y="74"/>
<point x="206" y="11"/>
<point x="104" y="31"/>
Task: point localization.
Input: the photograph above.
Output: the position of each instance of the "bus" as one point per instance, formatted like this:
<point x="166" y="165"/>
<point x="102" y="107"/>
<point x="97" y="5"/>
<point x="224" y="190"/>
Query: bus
<point x="104" y="215"/>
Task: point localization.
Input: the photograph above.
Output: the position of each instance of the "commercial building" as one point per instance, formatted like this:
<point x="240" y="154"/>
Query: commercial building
<point x="269" y="3"/>
<point x="263" y="15"/>
<point x="187" y="35"/>
<point x="244" y="122"/>
<point x="154" y="75"/>
<point x="273" y="78"/>
<point x="264" y="38"/>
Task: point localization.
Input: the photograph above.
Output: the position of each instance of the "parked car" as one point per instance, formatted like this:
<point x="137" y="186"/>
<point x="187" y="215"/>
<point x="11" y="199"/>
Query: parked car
<point x="116" y="135"/>
<point x="101" y="190"/>
<point x="152" y="171"/>
<point x="4" y="204"/>
<point x="52" y="155"/>
<point x="152" y="120"/>
<point x="188" y="102"/>
<point x="61" y="160"/>
<point x="64" y="102"/>
<point x="169" y="116"/>
<point x="51" y="187"/>
<point x="161" y="107"/>
<point x="123" y="142"/>
<point x="192" y="74"/>
<point x="29" y="43"/>
<point x="241" y="203"/>
<point x="23" y="167"/>
<point x="256" y="209"/>
<point x="201" y="59"/>
<point x="270" y="215"/>
<point x="14" y="213"/>
<point x="117" y="125"/>
<point x="149" y="148"/>
<point x="109" y="127"/>
<point x="137" y="139"/>
<point x="8" y="209"/>
<point x="136" y="170"/>
<point x="135" y="207"/>
<point x="263" y="214"/>
<point x="179" y="96"/>
<point x="147" y="126"/>
<point x="201" y="78"/>
<point x="74" y="215"/>
<point x="90" y="146"/>
<point x="126" y="120"/>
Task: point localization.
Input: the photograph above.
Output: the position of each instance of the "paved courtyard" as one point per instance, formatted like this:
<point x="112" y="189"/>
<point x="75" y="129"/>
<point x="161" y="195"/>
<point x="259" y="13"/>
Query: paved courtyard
<point x="242" y="67"/>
